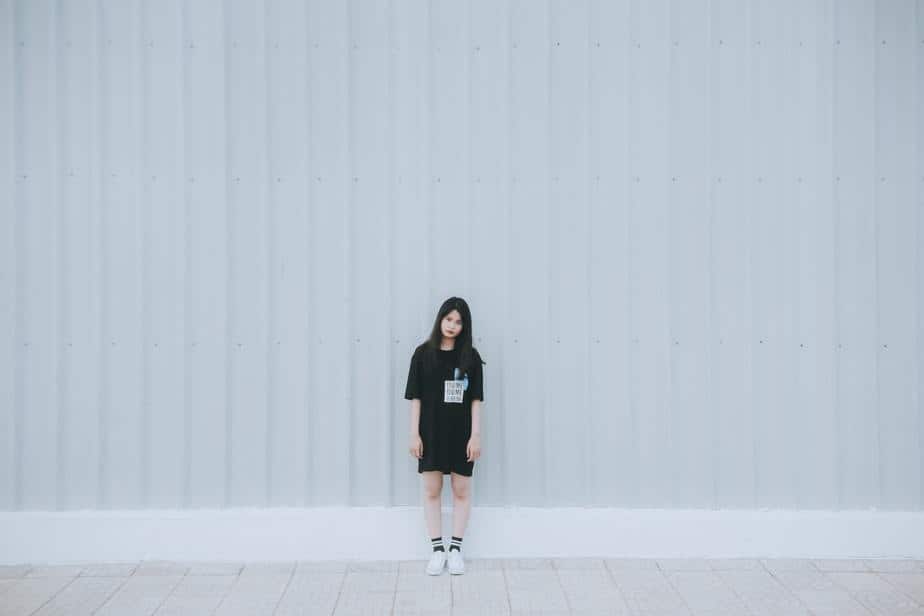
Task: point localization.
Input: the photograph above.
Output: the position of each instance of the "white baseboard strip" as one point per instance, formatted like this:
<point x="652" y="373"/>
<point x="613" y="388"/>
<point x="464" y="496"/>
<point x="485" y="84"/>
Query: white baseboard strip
<point x="399" y="533"/>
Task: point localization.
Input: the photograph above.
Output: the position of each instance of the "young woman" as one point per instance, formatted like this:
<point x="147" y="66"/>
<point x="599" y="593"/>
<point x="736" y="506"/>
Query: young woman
<point x="445" y="387"/>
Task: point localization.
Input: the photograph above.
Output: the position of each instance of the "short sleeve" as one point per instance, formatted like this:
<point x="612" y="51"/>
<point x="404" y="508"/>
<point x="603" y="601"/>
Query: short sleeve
<point x="476" y="382"/>
<point x="414" y="377"/>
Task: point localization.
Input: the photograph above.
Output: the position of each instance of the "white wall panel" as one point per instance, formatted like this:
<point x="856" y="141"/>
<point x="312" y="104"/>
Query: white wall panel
<point x="689" y="233"/>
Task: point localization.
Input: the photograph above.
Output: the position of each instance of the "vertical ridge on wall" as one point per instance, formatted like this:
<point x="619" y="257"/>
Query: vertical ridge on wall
<point x="162" y="43"/>
<point x="549" y="363"/>
<point x="711" y="339"/>
<point x="288" y="43"/>
<point x="650" y="268"/>
<point x="567" y="336"/>
<point x="38" y="178"/>
<point x="505" y="374"/>
<point x="58" y="245"/>
<point x="392" y="375"/>
<point x="875" y="203"/>
<point x="835" y="316"/>
<point x="688" y="179"/>
<point x="369" y="68"/>
<point x="530" y="216"/>
<point x="230" y="271"/>
<point x="18" y="353"/>
<point x="854" y="144"/>
<point x="62" y="303"/>
<point x="896" y="307"/>
<point x="141" y="77"/>
<point x="349" y="261"/>
<point x="97" y="198"/>
<point x="918" y="205"/>
<point x="9" y="345"/>
<point x="633" y="33"/>
<point x="745" y="185"/>
<point x="269" y="397"/>
<point x="733" y="436"/>
<point x="187" y="252"/>
<point x="303" y="458"/>
<point x="586" y="328"/>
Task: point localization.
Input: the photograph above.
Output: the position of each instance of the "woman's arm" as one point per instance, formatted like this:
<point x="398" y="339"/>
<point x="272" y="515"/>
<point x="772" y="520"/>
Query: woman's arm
<point x="415" y="416"/>
<point x="476" y="417"/>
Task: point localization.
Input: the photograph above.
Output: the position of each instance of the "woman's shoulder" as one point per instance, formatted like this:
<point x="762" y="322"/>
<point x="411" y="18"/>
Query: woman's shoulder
<point x="477" y="354"/>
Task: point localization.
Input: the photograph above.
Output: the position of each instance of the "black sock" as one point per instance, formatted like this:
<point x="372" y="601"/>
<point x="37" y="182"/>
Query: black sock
<point x="456" y="544"/>
<point x="438" y="544"/>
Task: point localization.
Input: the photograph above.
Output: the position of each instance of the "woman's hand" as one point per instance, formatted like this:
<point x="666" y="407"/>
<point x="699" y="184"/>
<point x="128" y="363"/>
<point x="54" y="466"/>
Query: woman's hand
<point x="416" y="446"/>
<point x="473" y="450"/>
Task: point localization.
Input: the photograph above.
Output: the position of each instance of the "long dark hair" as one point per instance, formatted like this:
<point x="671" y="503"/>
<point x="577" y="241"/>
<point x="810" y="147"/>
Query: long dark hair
<point x="467" y="354"/>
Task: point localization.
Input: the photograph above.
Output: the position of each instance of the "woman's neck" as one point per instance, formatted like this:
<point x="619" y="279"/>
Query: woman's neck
<point x="447" y="344"/>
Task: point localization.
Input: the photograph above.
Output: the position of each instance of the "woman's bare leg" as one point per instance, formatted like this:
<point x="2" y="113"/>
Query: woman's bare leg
<point x="461" y="503"/>
<point x="432" y="482"/>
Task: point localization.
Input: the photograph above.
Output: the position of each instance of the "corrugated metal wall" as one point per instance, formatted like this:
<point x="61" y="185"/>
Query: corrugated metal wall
<point x="689" y="233"/>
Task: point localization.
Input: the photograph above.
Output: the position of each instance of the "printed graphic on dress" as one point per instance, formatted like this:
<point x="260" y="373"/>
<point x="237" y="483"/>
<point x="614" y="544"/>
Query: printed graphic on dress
<point x="452" y="391"/>
<point x="455" y="376"/>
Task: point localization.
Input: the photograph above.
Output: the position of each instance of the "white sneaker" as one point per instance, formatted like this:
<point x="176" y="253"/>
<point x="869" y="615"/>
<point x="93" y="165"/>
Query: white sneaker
<point x="456" y="562"/>
<point x="437" y="560"/>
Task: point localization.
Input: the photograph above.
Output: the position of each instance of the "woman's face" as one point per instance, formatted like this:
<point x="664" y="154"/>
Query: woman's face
<point x="451" y="324"/>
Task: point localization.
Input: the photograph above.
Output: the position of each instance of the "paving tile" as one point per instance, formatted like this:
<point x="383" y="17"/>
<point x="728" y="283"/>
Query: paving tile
<point x="310" y="591"/>
<point x="912" y="584"/>
<point x="140" y="596"/>
<point x="876" y="593"/>
<point x="841" y="564"/>
<point x="6" y="584"/>
<point x="14" y="571"/>
<point x="631" y="563"/>
<point x="269" y="568"/>
<point x="256" y="592"/>
<point x="67" y="571"/>
<point x="419" y="579"/>
<point x="648" y="591"/>
<point x="705" y="591"/>
<point x="788" y="564"/>
<point x="735" y="564"/>
<point x="416" y="602"/>
<point x="535" y="589"/>
<point x="578" y="563"/>
<point x="368" y="602"/>
<point x="503" y="610"/>
<point x="371" y="581"/>
<point x="684" y="564"/>
<point x="373" y="566"/>
<point x="484" y="564"/>
<point x="214" y="568"/>
<point x="27" y="594"/>
<point x="109" y="570"/>
<point x="82" y="596"/>
<point x="196" y="594"/>
<point x="588" y="590"/>
<point x="330" y="566"/>
<point x="798" y="580"/>
<point x="161" y="567"/>
<point x="895" y="565"/>
<point x="761" y="591"/>
<point x="834" y="601"/>
<point x="528" y="563"/>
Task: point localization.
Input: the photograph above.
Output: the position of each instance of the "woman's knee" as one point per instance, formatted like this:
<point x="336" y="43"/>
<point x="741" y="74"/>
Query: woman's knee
<point x="432" y="484"/>
<point x="461" y="486"/>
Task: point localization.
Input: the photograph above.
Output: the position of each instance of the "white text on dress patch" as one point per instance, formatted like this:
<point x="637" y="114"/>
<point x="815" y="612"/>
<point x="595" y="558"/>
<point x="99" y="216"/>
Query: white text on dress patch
<point x="452" y="391"/>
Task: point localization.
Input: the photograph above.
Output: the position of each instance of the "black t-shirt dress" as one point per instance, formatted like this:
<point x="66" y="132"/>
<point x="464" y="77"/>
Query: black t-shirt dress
<point x="445" y="426"/>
